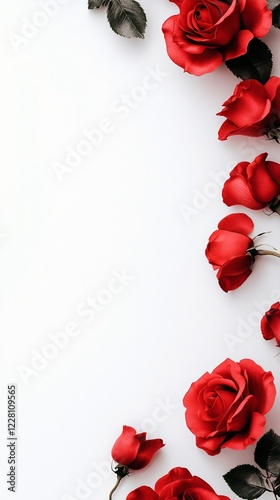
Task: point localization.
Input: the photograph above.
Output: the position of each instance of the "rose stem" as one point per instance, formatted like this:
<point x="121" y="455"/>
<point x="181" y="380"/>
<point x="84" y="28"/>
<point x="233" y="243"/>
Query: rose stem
<point x="119" y="478"/>
<point x="268" y="481"/>
<point x="274" y="493"/>
<point x="268" y="252"/>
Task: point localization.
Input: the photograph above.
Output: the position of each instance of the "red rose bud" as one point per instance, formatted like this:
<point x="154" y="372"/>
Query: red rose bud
<point x="227" y="250"/>
<point x="205" y="34"/>
<point x="252" y="110"/>
<point x="226" y="408"/>
<point x="133" y="450"/>
<point x="232" y="252"/>
<point x="270" y="324"/>
<point x="178" y="484"/>
<point x="253" y="185"/>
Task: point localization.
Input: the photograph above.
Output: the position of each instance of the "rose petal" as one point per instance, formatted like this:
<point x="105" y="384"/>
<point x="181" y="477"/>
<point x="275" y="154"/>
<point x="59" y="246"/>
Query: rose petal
<point x="248" y="104"/>
<point x="234" y="272"/>
<point x="263" y="187"/>
<point x="261" y="385"/>
<point x="267" y="332"/>
<point x="238" y="222"/>
<point x="238" y="46"/>
<point x="228" y="129"/>
<point x="212" y="445"/>
<point x="175" y="474"/>
<point x="224" y="245"/>
<point x="270" y="323"/>
<point x="126" y="446"/>
<point x="241" y="440"/>
<point x="238" y="421"/>
<point x="145" y="453"/>
<point x="175" y="52"/>
<point x="273" y="169"/>
<point x="256" y="17"/>
<point x="142" y="493"/>
<point x="237" y="192"/>
<point x="203" y="63"/>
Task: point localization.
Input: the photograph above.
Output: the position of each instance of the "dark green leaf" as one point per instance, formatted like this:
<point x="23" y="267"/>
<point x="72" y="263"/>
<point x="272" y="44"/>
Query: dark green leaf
<point x="267" y="453"/>
<point x="127" y="18"/>
<point x="276" y="17"/>
<point x="246" y="481"/>
<point x="256" y="63"/>
<point x="95" y="4"/>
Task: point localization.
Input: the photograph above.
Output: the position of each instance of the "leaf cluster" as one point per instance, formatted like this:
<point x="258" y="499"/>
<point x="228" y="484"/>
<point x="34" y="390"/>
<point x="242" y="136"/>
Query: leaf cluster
<point x="248" y="481"/>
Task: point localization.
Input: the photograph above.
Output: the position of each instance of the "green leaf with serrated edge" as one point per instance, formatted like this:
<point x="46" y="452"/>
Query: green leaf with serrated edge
<point x="246" y="481"/>
<point x="267" y="453"/>
<point x="276" y="17"/>
<point x="127" y="18"/>
<point x="255" y="64"/>
<point x="95" y="4"/>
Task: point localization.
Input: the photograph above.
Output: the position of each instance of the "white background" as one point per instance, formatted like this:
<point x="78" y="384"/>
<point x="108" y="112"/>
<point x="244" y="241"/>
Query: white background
<point x="142" y="203"/>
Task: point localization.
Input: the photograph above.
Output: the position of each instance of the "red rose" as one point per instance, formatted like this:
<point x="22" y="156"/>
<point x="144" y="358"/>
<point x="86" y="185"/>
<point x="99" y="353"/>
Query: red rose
<point x="205" y="33"/>
<point x="270" y="323"/>
<point x="252" y="110"/>
<point x="178" y="484"/>
<point x="226" y="408"/>
<point x="227" y="250"/>
<point x="133" y="450"/>
<point x="254" y="185"/>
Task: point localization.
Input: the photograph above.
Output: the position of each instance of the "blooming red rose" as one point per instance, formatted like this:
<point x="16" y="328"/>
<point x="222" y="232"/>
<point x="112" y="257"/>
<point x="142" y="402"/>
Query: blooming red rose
<point x="254" y="185"/>
<point x="133" y="450"/>
<point x="252" y="110"/>
<point x="270" y="324"/>
<point x="227" y="250"/>
<point x="207" y="32"/>
<point x="226" y="408"/>
<point x="178" y="484"/>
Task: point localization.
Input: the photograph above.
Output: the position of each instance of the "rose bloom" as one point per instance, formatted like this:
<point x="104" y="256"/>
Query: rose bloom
<point x="226" y="408"/>
<point x="205" y="33"/>
<point x="270" y="324"/>
<point x="133" y="450"/>
<point x="177" y="484"/>
<point x="252" y="110"/>
<point x="253" y="185"/>
<point x="227" y="250"/>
